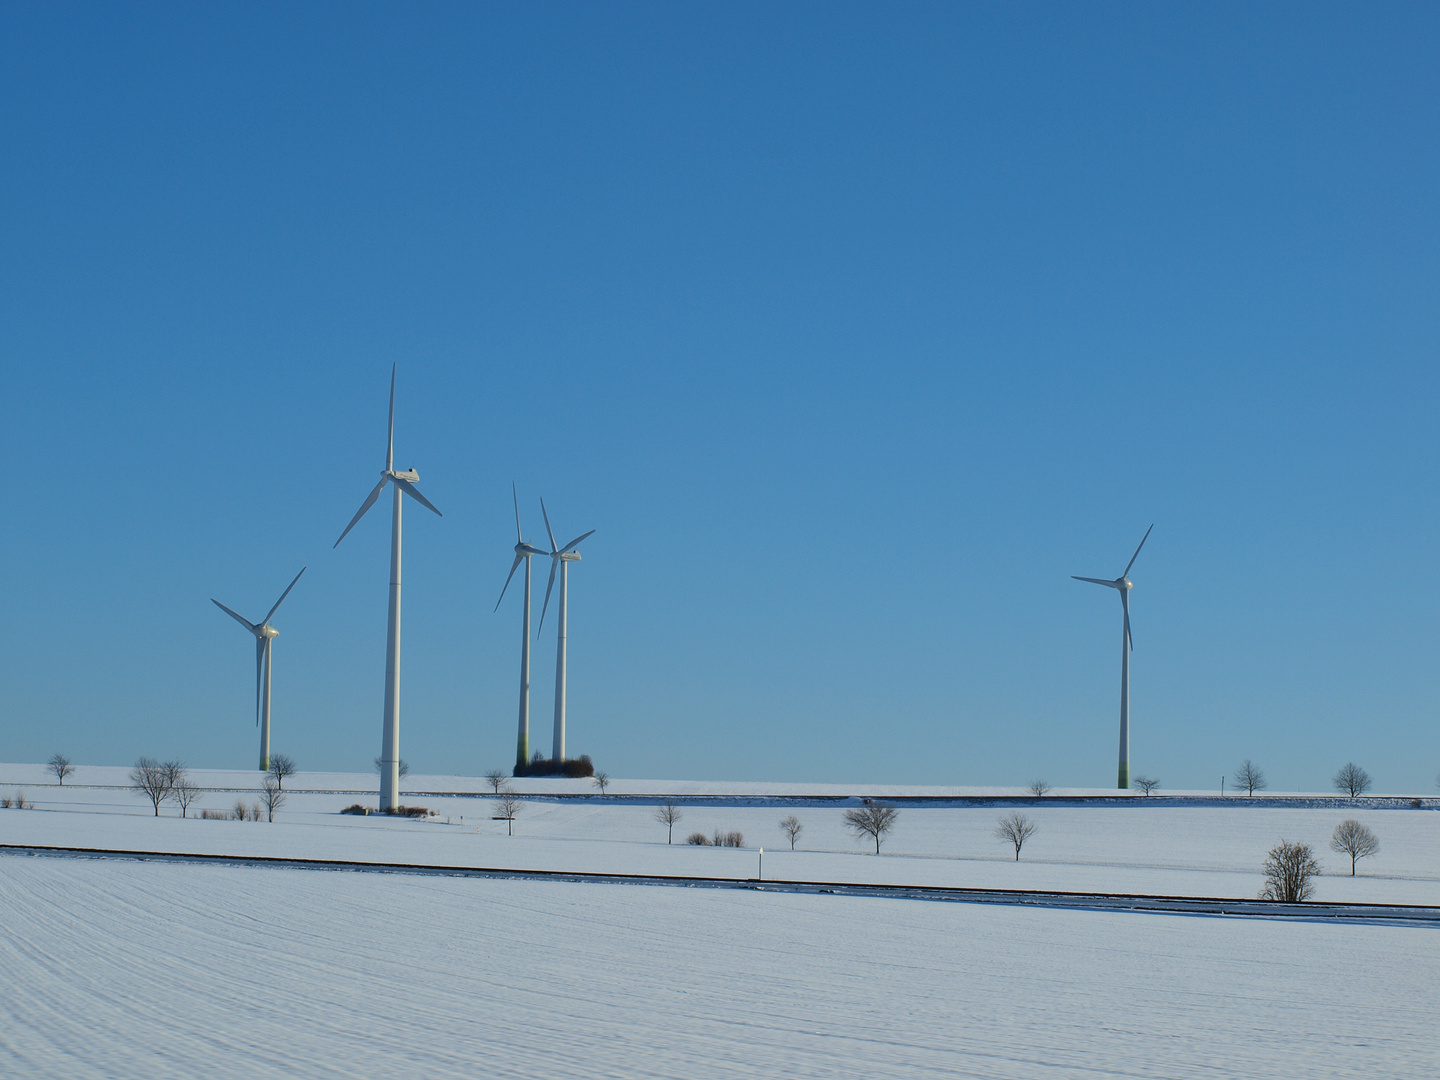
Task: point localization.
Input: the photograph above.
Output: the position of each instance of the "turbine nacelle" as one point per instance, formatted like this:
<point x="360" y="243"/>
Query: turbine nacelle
<point x="409" y="475"/>
<point x="524" y="550"/>
<point x="267" y="632"/>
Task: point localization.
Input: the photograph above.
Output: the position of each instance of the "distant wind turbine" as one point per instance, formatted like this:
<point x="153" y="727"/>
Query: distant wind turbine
<point x="561" y="558"/>
<point x="523" y="553"/>
<point x="1123" y="585"/>
<point x="265" y="635"/>
<point x="404" y="482"/>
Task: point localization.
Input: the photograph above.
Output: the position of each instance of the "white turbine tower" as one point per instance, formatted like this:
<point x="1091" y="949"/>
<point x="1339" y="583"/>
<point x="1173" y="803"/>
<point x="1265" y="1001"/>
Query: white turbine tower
<point x="404" y="482"/>
<point x="523" y="553"/>
<point x="265" y="635"/>
<point x="562" y="558"/>
<point x="1123" y="585"/>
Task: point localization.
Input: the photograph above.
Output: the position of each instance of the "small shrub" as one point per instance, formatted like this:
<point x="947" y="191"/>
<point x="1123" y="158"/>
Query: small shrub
<point x="257" y="812"/>
<point x="734" y="839"/>
<point x="6" y="802"/>
<point x="699" y="839"/>
<point x="407" y="811"/>
<point x="217" y="815"/>
<point x="1290" y="872"/>
<point x="242" y="812"/>
<point x="20" y="803"/>
<point x="356" y="808"/>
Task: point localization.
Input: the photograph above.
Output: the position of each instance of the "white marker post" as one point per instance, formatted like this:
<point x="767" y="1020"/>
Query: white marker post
<point x="760" y="874"/>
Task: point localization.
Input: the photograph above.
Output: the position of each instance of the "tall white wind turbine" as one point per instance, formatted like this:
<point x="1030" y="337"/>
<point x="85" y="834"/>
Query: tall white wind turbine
<point x="561" y="558"/>
<point x="1123" y="585"/>
<point x="404" y="482"/>
<point x="523" y="553"/>
<point x="265" y="635"/>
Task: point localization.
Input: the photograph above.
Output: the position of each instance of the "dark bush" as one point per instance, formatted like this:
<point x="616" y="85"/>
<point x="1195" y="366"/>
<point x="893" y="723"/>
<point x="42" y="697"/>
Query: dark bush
<point x="574" y="768"/>
<point x="356" y="808"/>
<point x="407" y="811"/>
<point x="699" y="839"/>
<point x="728" y="839"/>
<point x="217" y="815"/>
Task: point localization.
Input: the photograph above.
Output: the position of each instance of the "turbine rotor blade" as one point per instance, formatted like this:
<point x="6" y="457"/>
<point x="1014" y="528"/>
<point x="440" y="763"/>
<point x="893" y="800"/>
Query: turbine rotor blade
<point x="390" y="440"/>
<point x="243" y="622"/>
<point x="573" y="544"/>
<point x="369" y="502"/>
<point x="549" y="530"/>
<point x="282" y="596"/>
<point x="259" y="674"/>
<point x="1097" y="581"/>
<point x="410" y="489"/>
<point x="553" y="564"/>
<point x="1125" y="603"/>
<point x="515" y="495"/>
<point x="513" y="567"/>
<point x="1137" y="551"/>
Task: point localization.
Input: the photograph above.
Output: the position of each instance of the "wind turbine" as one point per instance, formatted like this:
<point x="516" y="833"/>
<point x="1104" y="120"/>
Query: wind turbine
<point x="1123" y="585"/>
<point x="265" y="635"/>
<point x="562" y="558"/>
<point x="523" y="553"/>
<point x="404" y="482"/>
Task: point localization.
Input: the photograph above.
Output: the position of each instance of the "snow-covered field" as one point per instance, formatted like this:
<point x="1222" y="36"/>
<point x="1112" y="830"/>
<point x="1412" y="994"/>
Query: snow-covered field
<point x="117" y="968"/>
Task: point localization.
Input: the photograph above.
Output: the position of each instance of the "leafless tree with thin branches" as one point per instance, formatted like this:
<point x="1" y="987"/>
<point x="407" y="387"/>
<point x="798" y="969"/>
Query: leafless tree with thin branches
<point x="281" y="766"/>
<point x="1290" y="872"/>
<point x="667" y="813"/>
<point x="151" y="779"/>
<point x="792" y="828"/>
<point x="601" y="781"/>
<point x="1145" y="784"/>
<point x="1249" y="777"/>
<point x="1038" y="788"/>
<point x="1353" y="839"/>
<point x="61" y="767"/>
<point x="185" y="793"/>
<point x="1015" y="829"/>
<point x="1351" y="779"/>
<point x="506" y="807"/>
<point x="874" y="819"/>
<point x="271" y="797"/>
<point x="496" y="779"/>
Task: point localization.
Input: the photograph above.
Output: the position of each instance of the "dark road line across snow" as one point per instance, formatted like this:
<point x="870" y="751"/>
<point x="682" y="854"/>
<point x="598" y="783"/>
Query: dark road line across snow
<point x="1392" y="914"/>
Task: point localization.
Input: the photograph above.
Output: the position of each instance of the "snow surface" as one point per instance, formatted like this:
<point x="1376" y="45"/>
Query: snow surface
<point x="1138" y="848"/>
<point x="120" y="968"/>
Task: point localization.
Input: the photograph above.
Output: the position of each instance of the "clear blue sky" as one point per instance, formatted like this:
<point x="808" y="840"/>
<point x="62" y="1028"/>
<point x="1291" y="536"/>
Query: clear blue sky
<point x="854" y="330"/>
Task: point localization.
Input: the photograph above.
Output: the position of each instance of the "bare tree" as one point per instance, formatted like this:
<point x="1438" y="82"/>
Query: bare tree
<point x="1145" y="784"/>
<point x="874" y="819"/>
<point x="272" y="798"/>
<point x="1353" y="839"/>
<point x="1015" y="829"/>
<point x="174" y="771"/>
<point x="1249" y="776"/>
<point x="792" y="828"/>
<point x="1290" y="872"/>
<point x="281" y="766"/>
<point x="496" y="779"/>
<point x="1038" y="788"/>
<point x="152" y="780"/>
<point x="1351" y="779"/>
<point x="667" y="813"/>
<point x="602" y="781"/>
<point x="184" y="792"/>
<point x="61" y="767"/>
<point x="506" y="807"/>
<point x="404" y="767"/>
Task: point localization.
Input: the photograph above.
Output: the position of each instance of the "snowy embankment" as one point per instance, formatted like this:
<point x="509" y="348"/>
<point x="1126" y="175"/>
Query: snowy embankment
<point x="1199" y="850"/>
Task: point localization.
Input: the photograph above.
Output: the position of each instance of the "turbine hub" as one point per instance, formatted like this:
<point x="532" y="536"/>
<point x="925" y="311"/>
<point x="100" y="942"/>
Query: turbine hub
<point x="1124" y="583"/>
<point x="269" y="632"/>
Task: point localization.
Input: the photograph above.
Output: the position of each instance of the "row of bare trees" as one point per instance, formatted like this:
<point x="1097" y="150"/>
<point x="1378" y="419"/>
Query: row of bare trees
<point x="1350" y="779"/>
<point x="169" y="781"/>
<point x="1291" y="867"/>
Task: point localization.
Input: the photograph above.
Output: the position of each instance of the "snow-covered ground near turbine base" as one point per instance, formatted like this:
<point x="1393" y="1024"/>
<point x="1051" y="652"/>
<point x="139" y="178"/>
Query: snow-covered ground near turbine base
<point x="1172" y="850"/>
<point x="120" y="969"/>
